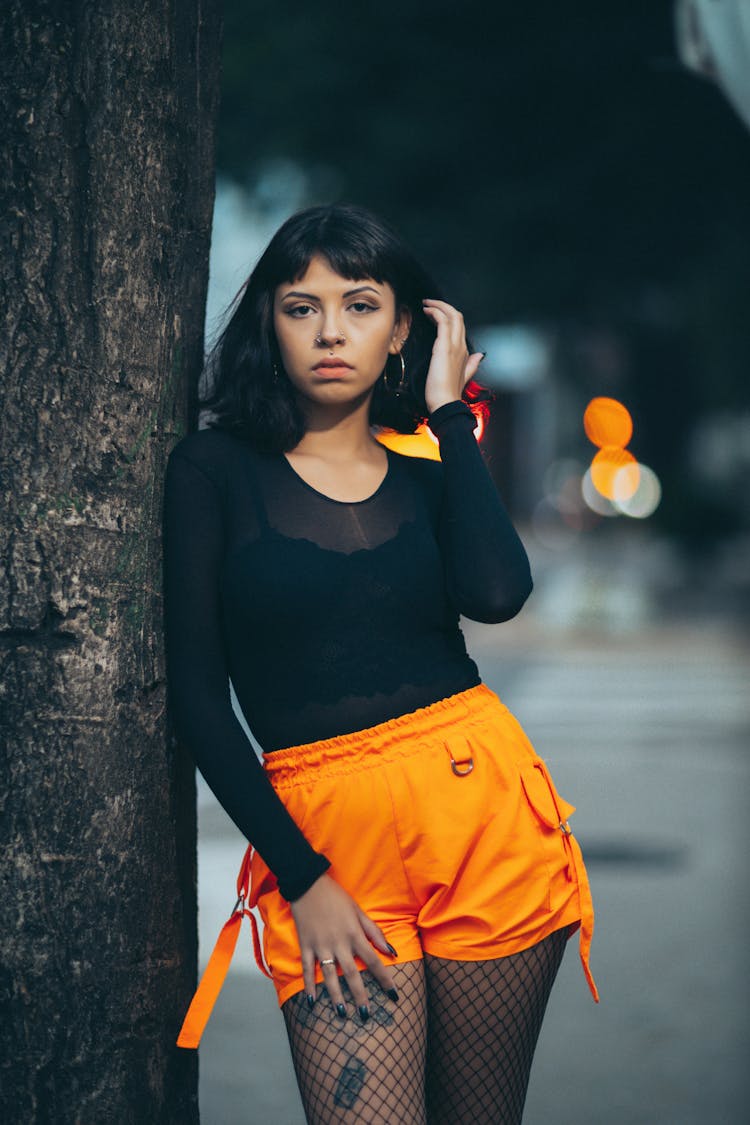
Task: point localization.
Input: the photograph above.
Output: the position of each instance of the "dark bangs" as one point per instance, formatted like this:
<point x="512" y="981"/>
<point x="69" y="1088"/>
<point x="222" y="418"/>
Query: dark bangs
<point x="355" y="244"/>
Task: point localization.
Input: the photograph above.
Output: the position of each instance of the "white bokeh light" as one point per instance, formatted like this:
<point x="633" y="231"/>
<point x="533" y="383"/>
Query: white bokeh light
<point x="645" y="500"/>
<point x="593" y="497"/>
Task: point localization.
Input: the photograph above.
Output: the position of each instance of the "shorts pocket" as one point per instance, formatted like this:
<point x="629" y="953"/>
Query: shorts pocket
<point x="544" y="799"/>
<point x="550" y="813"/>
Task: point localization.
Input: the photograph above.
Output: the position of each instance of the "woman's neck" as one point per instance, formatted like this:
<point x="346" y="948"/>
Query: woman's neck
<point x="339" y="435"/>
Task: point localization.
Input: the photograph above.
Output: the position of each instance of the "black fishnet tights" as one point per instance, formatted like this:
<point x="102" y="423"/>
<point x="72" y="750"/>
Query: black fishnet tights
<point x="456" y="1048"/>
<point x="351" y="1071"/>
<point x="484" y="1019"/>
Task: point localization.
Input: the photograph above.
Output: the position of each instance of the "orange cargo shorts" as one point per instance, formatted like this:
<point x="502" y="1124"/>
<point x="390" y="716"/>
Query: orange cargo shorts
<point x="446" y="828"/>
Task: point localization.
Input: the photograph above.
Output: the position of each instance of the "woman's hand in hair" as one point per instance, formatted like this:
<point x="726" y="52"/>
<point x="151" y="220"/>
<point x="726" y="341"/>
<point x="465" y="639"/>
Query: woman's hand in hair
<point x="331" y="925"/>
<point x="451" y="367"/>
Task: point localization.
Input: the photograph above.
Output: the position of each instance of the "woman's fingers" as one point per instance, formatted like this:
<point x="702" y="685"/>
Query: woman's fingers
<point x="333" y="932"/>
<point x="308" y="975"/>
<point x="330" y="976"/>
<point x="447" y="329"/>
<point x="451" y="329"/>
<point x="346" y="966"/>
<point x="449" y="317"/>
<point x="383" y="974"/>
<point x="343" y="963"/>
<point x="375" y="935"/>
<point x="472" y="366"/>
<point x="451" y="366"/>
<point x="356" y="987"/>
<point x="442" y="308"/>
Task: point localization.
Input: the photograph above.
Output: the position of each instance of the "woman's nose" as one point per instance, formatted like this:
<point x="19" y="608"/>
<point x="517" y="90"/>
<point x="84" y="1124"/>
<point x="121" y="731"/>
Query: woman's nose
<point x="329" y="332"/>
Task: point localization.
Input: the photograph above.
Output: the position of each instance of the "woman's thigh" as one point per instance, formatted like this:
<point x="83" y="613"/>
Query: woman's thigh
<point x="484" y="1019"/>
<point x="350" y="1071"/>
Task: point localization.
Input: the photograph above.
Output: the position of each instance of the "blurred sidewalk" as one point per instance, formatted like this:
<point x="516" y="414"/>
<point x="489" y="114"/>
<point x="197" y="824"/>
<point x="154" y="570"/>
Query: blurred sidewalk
<point x="646" y="731"/>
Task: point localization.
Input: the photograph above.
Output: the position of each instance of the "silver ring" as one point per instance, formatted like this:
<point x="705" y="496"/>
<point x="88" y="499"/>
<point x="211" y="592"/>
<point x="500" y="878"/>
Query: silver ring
<point x="329" y="961"/>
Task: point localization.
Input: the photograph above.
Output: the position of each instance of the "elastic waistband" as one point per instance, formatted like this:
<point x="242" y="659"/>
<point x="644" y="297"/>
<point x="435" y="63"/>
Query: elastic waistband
<point x="385" y="741"/>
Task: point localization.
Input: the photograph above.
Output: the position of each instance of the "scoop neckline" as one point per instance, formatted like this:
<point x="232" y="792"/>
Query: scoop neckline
<point x="344" y="503"/>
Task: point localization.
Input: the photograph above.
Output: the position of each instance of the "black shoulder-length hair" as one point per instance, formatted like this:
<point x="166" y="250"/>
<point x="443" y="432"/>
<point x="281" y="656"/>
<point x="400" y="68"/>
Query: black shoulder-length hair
<point x="243" y="393"/>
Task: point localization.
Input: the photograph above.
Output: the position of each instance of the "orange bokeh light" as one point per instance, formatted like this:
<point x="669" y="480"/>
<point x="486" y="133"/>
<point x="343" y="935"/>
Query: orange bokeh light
<point x="615" y="473"/>
<point x="479" y="426"/>
<point x="423" y="443"/>
<point x="420" y="444"/>
<point x="607" y="423"/>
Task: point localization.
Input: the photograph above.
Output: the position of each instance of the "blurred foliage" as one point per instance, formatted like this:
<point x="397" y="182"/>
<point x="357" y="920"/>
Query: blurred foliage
<point x="552" y="163"/>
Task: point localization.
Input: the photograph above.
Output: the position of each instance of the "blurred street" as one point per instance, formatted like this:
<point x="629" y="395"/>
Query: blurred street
<point x="600" y="256"/>
<point x="646" y="732"/>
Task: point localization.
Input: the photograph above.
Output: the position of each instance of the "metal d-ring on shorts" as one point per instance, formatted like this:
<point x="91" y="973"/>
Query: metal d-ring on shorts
<point x="444" y="825"/>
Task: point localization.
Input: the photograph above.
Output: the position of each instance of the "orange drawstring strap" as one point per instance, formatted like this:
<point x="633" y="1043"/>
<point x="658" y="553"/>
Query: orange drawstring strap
<point x="587" y="913"/>
<point x="211" y="982"/>
<point x="562" y="811"/>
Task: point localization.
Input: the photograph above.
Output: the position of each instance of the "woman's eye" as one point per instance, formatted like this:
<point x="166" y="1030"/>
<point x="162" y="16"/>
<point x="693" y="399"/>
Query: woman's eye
<point x="362" y="307"/>
<point x="299" y="310"/>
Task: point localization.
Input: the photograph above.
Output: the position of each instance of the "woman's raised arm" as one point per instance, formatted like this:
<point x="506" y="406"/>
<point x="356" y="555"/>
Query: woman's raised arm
<point x="486" y="565"/>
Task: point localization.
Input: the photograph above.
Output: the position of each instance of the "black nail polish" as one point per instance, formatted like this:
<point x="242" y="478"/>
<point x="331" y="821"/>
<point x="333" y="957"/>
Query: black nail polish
<point x="341" y="1011"/>
<point x="364" y="1012"/>
<point x="310" y="1000"/>
<point x="391" y="992"/>
<point x="393" y="952"/>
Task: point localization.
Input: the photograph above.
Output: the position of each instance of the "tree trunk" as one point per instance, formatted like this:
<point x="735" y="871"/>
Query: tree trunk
<point x="108" y="120"/>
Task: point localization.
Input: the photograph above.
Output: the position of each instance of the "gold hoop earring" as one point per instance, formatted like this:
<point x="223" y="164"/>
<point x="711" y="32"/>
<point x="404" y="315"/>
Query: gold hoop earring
<point x="402" y="386"/>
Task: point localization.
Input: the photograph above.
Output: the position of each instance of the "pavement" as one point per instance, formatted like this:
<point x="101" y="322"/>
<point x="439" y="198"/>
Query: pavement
<point x="646" y="732"/>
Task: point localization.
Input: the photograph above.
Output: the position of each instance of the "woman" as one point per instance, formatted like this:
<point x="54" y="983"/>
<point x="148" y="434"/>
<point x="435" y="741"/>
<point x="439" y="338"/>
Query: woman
<point x="413" y="865"/>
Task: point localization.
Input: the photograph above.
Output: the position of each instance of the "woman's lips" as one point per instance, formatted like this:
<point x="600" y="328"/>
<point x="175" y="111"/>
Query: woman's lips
<point x="332" y="369"/>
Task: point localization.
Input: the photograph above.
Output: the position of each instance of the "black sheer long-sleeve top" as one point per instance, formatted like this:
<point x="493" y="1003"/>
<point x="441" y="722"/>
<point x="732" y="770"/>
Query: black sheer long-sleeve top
<point x="328" y="617"/>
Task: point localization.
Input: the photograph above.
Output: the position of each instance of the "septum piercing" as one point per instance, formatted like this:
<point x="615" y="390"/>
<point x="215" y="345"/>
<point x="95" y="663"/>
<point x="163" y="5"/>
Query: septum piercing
<point x="339" y="339"/>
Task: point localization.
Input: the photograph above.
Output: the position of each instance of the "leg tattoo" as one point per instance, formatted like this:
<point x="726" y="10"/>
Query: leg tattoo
<point x="350" y="1071"/>
<point x="350" y="1083"/>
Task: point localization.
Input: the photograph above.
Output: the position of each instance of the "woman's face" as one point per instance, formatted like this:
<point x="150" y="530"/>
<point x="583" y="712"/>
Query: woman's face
<point x="334" y="334"/>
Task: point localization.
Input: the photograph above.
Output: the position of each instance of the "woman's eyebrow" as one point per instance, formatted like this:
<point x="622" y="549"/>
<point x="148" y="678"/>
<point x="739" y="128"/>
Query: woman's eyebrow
<point x="349" y="293"/>
<point x="361" y="289"/>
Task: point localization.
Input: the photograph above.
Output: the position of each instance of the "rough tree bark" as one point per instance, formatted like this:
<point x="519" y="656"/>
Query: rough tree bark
<point x="108" y="116"/>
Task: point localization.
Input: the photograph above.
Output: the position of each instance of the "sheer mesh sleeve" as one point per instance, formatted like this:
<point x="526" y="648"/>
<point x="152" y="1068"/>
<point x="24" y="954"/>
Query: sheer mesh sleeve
<point x="486" y="565"/>
<point x="198" y="680"/>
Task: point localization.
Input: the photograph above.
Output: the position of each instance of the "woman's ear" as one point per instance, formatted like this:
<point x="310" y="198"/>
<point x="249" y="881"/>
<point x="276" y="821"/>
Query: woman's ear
<point x="401" y="330"/>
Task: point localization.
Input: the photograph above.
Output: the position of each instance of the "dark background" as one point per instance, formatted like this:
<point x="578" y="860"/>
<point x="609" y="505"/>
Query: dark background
<point x="554" y="165"/>
<point x="558" y="169"/>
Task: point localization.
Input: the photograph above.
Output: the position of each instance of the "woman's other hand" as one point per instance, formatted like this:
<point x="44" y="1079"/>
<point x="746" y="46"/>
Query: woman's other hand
<point x="330" y="926"/>
<point x="451" y="367"/>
